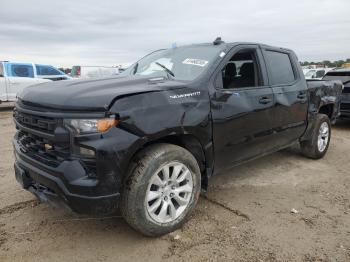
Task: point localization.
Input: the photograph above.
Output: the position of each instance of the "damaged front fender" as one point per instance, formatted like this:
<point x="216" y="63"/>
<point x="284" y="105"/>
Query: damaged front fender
<point x="153" y="116"/>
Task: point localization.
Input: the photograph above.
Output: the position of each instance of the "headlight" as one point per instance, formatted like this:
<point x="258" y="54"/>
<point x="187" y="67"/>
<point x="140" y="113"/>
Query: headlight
<point x="85" y="126"/>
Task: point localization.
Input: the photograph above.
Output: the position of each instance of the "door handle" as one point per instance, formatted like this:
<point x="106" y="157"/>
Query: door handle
<point x="265" y="100"/>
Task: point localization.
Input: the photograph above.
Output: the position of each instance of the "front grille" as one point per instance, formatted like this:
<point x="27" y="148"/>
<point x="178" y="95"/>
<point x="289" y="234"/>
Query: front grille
<point x="46" y="140"/>
<point x="43" y="150"/>
<point x="40" y="123"/>
<point x="38" y="138"/>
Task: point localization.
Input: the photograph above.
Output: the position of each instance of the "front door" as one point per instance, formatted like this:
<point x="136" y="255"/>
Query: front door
<point x="242" y="106"/>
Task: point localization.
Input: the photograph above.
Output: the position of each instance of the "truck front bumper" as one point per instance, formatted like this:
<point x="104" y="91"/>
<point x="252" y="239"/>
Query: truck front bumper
<point x="69" y="183"/>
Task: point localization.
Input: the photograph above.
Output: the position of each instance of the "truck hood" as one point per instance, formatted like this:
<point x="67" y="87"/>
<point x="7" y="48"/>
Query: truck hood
<point x="97" y="94"/>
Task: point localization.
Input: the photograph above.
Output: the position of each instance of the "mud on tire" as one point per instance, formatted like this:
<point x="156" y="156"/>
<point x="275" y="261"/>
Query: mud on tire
<point x="147" y="166"/>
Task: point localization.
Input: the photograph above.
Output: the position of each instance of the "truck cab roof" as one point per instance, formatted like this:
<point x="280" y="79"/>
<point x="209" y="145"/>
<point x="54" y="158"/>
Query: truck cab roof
<point x="229" y="45"/>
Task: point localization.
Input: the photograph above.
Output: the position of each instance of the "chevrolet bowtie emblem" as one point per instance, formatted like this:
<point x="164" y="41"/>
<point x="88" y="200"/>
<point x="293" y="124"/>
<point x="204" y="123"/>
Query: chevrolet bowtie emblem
<point x="48" y="147"/>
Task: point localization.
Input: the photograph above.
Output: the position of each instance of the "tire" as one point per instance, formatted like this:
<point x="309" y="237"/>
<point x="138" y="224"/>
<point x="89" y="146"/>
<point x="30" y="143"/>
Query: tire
<point x="146" y="178"/>
<point x="311" y="148"/>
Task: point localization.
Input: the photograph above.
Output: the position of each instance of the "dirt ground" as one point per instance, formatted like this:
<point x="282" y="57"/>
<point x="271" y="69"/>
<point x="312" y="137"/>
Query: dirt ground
<point x="245" y="216"/>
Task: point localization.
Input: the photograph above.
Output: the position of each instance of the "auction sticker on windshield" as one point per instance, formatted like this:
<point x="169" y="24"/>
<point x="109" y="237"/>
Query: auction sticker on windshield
<point x="193" y="61"/>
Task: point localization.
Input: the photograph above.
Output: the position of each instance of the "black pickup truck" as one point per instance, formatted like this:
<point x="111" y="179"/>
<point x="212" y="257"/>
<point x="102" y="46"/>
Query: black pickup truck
<point x="147" y="141"/>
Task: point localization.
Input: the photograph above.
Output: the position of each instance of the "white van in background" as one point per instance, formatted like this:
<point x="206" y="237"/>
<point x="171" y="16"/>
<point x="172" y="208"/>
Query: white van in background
<point x="79" y="71"/>
<point x="15" y="76"/>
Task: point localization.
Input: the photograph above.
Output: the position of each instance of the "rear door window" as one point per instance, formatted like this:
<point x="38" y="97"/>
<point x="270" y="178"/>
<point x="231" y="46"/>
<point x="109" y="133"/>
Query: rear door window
<point x="280" y="68"/>
<point x="19" y="70"/>
<point x="47" y="70"/>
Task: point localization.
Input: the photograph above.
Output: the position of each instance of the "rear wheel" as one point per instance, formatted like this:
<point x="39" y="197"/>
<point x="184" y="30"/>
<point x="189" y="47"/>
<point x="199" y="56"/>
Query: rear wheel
<point x="161" y="190"/>
<point x="318" y="145"/>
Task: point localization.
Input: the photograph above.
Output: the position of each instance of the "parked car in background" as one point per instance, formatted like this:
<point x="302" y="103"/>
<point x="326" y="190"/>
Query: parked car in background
<point x="79" y="71"/>
<point x="316" y="73"/>
<point x="15" y="76"/>
<point x="50" y="72"/>
<point x="149" y="140"/>
<point x="344" y="76"/>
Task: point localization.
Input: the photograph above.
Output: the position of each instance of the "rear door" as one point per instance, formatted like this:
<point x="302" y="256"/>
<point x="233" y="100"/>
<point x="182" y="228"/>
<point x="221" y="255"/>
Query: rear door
<point x="20" y="76"/>
<point x="291" y="96"/>
<point x="241" y="106"/>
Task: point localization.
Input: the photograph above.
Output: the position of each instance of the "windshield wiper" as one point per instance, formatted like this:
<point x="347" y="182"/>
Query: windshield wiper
<point x="166" y="69"/>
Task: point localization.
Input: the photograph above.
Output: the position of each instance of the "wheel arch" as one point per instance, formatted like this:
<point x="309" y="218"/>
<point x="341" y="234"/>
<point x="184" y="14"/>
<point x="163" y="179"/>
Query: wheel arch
<point x="187" y="141"/>
<point x="327" y="109"/>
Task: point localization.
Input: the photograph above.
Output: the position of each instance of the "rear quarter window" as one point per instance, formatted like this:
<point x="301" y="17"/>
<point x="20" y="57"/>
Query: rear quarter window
<point x="280" y="68"/>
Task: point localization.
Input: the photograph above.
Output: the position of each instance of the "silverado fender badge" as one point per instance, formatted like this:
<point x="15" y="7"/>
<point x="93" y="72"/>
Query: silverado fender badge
<point x="186" y="95"/>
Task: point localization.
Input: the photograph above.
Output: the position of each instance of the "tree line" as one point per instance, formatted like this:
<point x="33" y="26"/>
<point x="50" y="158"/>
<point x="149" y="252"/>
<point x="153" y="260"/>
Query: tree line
<point x="327" y="63"/>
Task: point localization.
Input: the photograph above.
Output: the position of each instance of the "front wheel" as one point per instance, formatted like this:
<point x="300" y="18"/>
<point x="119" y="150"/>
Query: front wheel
<point x="318" y="145"/>
<point x="161" y="190"/>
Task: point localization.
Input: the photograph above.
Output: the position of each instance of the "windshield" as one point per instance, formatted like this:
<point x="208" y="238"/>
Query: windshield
<point x="181" y="63"/>
<point x="310" y="73"/>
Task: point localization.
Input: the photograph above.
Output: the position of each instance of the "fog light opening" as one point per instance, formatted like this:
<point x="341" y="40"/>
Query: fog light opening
<point x="86" y="152"/>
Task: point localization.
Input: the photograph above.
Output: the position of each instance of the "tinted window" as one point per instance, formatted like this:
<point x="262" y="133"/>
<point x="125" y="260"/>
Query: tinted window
<point x="241" y="70"/>
<point x="280" y="68"/>
<point x="47" y="70"/>
<point x="19" y="70"/>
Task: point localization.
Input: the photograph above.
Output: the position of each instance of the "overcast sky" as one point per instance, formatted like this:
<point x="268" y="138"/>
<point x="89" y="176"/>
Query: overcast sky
<point x="111" y="32"/>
